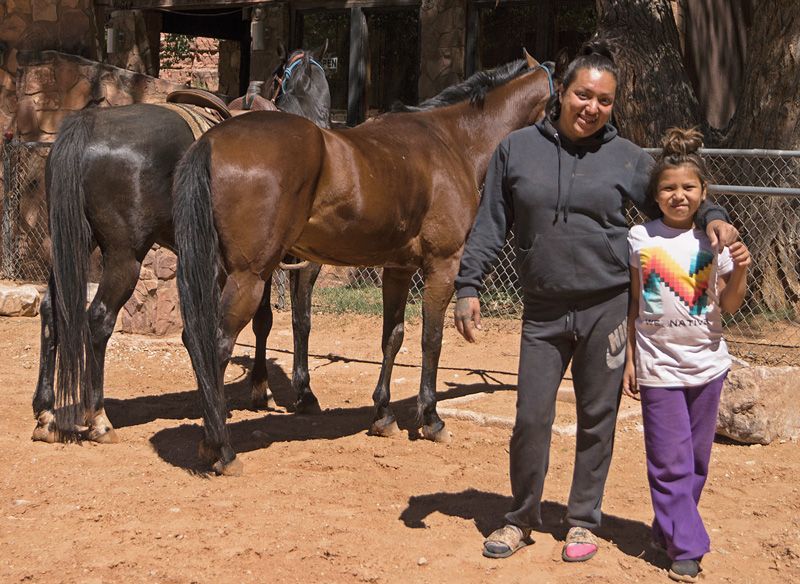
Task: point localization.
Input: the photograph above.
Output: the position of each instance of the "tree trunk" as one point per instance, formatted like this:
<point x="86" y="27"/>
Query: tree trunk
<point x="654" y="91"/>
<point x="768" y="116"/>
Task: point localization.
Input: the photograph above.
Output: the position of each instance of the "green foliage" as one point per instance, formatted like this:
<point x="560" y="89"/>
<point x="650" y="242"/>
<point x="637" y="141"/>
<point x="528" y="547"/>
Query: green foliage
<point x="361" y="300"/>
<point x="174" y="49"/>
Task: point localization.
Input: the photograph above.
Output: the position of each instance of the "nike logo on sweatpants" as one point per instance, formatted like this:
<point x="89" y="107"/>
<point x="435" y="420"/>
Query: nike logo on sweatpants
<point x="615" y="353"/>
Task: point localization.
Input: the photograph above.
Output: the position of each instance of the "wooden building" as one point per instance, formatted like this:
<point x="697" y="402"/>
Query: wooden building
<point x="379" y="51"/>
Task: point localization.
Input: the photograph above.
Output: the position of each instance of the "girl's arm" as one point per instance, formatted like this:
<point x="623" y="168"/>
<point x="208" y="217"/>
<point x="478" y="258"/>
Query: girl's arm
<point x="629" y="385"/>
<point x="732" y="286"/>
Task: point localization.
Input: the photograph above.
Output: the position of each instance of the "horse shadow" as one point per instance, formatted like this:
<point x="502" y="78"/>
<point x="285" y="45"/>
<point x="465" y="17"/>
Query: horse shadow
<point x="181" y="405"/>
<point x="487" y="509"/>
<point x="177" y="446"/>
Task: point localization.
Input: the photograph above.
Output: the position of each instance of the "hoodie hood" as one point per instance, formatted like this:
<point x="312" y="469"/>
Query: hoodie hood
<point x="602" y="136"/>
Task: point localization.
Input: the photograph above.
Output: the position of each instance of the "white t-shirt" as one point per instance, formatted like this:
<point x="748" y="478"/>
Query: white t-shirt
<point x="679" y="329"/>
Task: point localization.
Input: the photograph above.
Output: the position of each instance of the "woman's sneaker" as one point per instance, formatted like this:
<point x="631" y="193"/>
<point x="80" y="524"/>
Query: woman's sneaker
<point x="685" y="570"/>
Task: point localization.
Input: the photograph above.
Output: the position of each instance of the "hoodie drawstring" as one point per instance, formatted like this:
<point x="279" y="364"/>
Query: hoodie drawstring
<point x="565" y="208"/>
<point x="558" y="155"/>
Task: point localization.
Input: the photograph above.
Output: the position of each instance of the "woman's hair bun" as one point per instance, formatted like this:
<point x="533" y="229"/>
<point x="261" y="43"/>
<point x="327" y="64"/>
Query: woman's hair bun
<point x="682" y="142"/>
<point x="599" y="47"/>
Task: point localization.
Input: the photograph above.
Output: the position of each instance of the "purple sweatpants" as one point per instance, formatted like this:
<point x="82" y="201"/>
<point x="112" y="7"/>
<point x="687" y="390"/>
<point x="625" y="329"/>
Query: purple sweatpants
<point x="679" y="427"/>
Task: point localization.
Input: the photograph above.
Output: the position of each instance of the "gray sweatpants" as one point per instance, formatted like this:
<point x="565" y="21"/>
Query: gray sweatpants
<point x="591" y="333"/>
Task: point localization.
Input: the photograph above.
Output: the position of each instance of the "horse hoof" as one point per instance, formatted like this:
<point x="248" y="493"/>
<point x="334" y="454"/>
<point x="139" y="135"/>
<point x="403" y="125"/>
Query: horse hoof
<point x="234" y="468"/>
<point x="263" y="402"/>
<point x="307" y="405"/>
<point x="105" y="435"/>
<point x="385" y="427"/>
<point x="44" y="434"/>
<point x="441" y="436"/>
<point x="45" y="430"/>
<point x="211" y="456"/>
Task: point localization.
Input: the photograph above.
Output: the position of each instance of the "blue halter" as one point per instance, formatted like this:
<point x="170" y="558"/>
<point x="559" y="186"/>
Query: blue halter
<point x="287" y="73"/>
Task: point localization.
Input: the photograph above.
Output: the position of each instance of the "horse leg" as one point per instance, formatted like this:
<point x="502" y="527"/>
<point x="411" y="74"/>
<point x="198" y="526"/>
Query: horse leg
<point x="44" y="396"/>
<point x="120" y="274"/>
<point x="260" y="395"/>
<point x="435" y="299"/>
<point x="302" y="284"/>
<point x="241" y="297"/>
<point x="396" y="283"/>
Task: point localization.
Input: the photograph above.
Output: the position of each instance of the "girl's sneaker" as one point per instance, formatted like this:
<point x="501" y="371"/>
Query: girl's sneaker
<point x="658" y="547"/>
<point x="685" y="570"/>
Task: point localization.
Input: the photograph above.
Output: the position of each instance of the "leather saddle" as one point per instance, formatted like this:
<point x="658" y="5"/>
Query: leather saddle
<point x="201" y="98"/>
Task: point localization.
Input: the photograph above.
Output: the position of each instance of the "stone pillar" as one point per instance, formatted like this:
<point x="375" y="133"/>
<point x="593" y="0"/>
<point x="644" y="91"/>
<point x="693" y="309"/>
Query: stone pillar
<point x="153" y="309"/>
<point x="132" y="46"/>
<point x="442" y="34"/>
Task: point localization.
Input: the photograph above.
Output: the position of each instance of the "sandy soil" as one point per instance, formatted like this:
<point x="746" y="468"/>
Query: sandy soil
<point x="320" y="501"/>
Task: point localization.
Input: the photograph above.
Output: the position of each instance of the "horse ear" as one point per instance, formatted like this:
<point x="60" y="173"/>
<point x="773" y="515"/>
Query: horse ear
<point x="281" y="51"/>
<point x="531" y="61"/>
<point x="319" y="52"/>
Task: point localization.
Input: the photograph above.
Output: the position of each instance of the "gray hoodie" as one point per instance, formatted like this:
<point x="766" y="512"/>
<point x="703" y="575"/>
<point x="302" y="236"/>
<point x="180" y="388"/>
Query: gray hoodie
<point x="566" y="203"/>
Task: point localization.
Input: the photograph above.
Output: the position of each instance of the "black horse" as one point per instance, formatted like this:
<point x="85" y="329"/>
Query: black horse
<point x="108" y="182"/>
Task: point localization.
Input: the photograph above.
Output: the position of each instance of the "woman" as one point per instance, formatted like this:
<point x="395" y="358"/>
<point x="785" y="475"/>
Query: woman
<point x="562" y="184"/>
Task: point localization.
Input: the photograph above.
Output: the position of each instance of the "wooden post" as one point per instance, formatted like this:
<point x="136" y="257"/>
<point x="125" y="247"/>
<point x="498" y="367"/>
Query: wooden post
<point x="357" y="73"/>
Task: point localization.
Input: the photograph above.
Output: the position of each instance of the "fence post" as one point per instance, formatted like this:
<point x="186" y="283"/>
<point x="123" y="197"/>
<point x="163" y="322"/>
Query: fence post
<point x="9" y="213"/>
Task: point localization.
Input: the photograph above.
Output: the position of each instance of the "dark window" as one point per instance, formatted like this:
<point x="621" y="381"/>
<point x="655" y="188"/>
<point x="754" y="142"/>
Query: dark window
<point x="393" y="66"/>
<point x="312" y="29"/>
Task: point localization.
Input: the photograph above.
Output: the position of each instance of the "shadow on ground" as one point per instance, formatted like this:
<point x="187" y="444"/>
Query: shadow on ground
<point x="178" y="446"/>
<point x="486" y="510"/>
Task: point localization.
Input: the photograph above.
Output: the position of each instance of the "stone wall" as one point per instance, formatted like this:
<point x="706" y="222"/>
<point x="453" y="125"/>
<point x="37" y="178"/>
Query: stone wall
<point x="51" y="88"/>
<point x="53" y="85"/>
<point x="37" y="25"/>
<point x="200" y="68"/>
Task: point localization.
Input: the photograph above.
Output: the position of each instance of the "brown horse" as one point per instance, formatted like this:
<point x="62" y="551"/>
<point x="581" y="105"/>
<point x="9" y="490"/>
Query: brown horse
<point x="401" y="192"/>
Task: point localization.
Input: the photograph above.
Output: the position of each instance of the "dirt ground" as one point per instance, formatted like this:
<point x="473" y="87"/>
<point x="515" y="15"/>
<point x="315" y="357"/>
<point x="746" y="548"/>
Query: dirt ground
<point x="320" y="501"/>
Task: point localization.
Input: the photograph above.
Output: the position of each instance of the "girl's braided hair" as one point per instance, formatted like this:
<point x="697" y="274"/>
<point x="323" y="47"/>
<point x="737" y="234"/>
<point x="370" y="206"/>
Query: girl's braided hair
<point x="680" y="146"/>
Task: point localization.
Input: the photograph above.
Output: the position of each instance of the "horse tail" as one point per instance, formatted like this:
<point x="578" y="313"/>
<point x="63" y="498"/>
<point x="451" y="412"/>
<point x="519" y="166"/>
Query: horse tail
<point x="71" y="238"/>
<point x="198" y="277"/>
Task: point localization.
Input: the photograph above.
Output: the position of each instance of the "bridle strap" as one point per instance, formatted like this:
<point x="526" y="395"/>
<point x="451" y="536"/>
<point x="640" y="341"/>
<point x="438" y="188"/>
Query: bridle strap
<point x="293" y="62"/>
<point x="549" y="74"/>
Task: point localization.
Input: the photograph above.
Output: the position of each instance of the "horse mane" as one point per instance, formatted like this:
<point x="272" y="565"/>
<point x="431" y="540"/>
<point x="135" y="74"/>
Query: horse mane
<point x="473" y="89"/>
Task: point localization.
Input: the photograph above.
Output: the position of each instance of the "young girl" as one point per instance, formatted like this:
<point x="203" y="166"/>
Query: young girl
<point x="676" y="356"/>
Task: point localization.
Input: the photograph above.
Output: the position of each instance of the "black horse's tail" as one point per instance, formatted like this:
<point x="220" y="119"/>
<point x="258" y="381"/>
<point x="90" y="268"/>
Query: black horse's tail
<point x="71" y="239"/>
<point x="198" y="278"/>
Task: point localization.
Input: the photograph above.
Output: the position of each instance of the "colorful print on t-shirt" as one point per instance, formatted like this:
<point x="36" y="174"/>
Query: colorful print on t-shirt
<point x="660" y="271"/>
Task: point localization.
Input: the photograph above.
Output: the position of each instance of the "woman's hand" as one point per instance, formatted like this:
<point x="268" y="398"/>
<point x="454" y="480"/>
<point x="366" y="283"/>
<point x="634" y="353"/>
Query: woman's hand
<point x="721" y="234"/>
<point x="740" y="255"/>
<point x="467" y="315"/>
<point x="629" y="385"/>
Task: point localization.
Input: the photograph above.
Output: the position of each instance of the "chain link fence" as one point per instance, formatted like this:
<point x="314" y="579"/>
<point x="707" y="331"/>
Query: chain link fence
<point x="760" y="189"/>
<point x="25" y="249"/>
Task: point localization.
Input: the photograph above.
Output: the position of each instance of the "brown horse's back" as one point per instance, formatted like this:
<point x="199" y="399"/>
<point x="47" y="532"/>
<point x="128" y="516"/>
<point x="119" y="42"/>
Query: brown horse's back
<point x="353" y="197"/>
<point x="266" y="168"/>
<point x="381" y="184"/>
